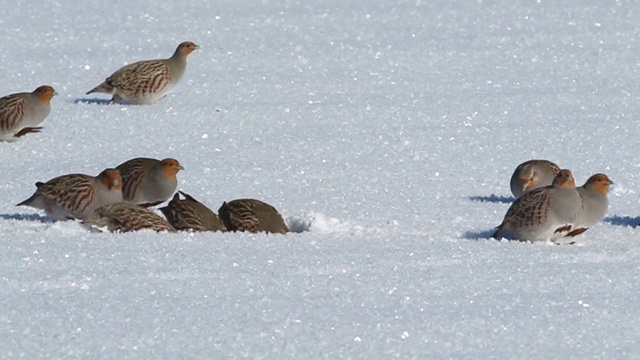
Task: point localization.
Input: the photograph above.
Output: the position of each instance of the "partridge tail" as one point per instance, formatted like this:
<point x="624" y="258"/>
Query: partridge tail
<point x="102" y="88"/>
<point x="30" y="201"/>
<point x="500" y="232"/>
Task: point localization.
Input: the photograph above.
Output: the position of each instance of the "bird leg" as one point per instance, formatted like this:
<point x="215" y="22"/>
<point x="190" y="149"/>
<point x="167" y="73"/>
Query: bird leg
<point x="28" y="130"/>
<point x="576" y="232"/>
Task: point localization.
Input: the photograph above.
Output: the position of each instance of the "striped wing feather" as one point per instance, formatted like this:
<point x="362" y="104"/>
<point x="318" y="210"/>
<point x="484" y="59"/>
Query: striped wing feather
<point x="12" y="110"/>
<point x="251" y="215"/>
<point x="125" y="217"/>
<point x="530" y="209"/>
<point x="74" y="192"/>
<point x="142" y="77"/>
<point x="190" y="214"/>
<point x="132" y="174"/>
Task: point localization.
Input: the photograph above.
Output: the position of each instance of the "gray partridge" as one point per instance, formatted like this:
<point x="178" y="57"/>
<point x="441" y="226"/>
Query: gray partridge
<point x="546" y="213"/>
<point x="594" y="203"/>
<point x="251" y="215"/>
<point x="190" y="214"/>
<point x="149" y="182"/>
<point x="145" y="82"/>
<point x="75" y="196"/>
<point x="21" y="113"/>
<point x="126" y="217"/>
<point x="531" y="175"/>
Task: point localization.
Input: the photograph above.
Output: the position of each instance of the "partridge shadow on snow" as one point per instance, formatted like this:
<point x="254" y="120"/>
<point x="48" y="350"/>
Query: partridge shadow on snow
<point x="493" y="198"/>
<point x="634" y="222"/>
<point x="27" y="217"/>
<point x="95" y="101"/>
<point x="480" y="235"/>
<point x="487" y="235"/>
<point x="92" y="101"/>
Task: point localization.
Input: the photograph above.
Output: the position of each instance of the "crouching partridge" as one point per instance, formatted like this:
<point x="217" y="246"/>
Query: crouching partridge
<point x="532" y="174"/>
<point x="191" y="215"/>
<point x="594" y="203"/>
<point x="149" y="182"/>
<point x="251" y="215"/>
<point x="75" y="196"/>
<point x="126" y="217"/>
<point x="145" y="82"/>
<point x="546" y="213"/>
<point x="21" y="113"/>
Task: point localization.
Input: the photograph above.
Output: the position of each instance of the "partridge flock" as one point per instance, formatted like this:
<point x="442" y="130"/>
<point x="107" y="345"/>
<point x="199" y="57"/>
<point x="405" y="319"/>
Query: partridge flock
<point x="120" y="199"/>
<point x="549" y="207"/>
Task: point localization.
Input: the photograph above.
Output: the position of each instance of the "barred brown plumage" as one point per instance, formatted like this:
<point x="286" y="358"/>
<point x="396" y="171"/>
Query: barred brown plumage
<point x="531" y="175"/>
<point x="75" y="196"/>
<point x="546" y="213"/>
<point x="146" y="82"/>
<point x="190" y="214"/>
<point x="149" y="182"/>
<point x="251" y="215"/>
<point x="21" y="113"/>
<point x="126" y="217"/>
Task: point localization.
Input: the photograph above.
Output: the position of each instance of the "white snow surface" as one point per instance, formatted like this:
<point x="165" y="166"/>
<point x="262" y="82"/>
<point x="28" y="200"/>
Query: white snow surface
<point x="385" y="132"/>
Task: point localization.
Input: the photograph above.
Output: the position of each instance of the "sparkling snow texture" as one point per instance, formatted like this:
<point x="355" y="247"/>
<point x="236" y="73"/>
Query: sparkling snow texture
<point x="384" y="131"/>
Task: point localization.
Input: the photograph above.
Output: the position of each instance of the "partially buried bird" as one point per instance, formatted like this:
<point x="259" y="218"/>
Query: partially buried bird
<point x="251" y="215"/>
<point x="191" y="215"/>
<point x="546" y="213"/>
<point x="75" y="196"/>
<point x="594" y="203"/>
<point x="149" y="182"/>
<point x="532" y="174"/>
<point x="21" y="113"/>
<point x="145" y="82"/>
<point x="126" y="217"/>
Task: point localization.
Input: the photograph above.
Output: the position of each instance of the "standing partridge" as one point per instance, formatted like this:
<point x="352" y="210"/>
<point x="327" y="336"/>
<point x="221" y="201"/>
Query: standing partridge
<point x="251" y="215"/>
<point x="75" y="196"/>
<point x="532" y="174"/>
<point x="190" y="214"/>
<point x="146" y="82"/>
<point x="149" y="182"/>
<point x="594" y="203"/>
<point x="546" y="213"/>
<point x="126" y="217"/>
<point x="21" y="113"/>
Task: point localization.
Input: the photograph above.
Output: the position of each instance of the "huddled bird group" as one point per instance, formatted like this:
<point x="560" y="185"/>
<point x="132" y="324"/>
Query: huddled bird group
<point x="119" y="199"/>
<point x="549" y="206"/>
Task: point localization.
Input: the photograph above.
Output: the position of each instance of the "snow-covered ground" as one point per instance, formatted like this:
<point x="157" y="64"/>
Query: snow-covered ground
<point x="384" y="131"/>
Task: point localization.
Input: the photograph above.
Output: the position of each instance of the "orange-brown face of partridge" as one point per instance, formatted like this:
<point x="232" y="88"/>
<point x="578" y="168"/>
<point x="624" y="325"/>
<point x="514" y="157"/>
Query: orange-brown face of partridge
<point x="45" y="93"/>
<point x="187" y="48"/>
<point x="171" y="167"/>
<point x="564" y="179"/>
<point x="599" y="183"/>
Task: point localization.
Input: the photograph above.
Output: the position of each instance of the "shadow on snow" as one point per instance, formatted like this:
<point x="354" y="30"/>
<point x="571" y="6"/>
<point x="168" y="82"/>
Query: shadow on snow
<point x="479" y="235"/>
<point x="634" y="222"/>
<point x="493" y="198"/>
<point x="92" y="101"/>
<point x="26" y="217"/>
